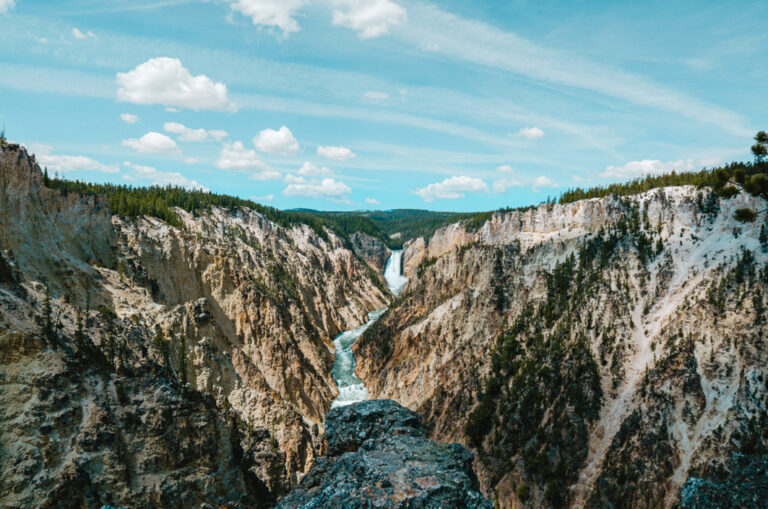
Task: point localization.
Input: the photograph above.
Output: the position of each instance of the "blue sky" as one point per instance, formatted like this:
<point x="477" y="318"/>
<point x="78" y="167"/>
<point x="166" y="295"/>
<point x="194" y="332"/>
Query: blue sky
<point x="363" y="104"/>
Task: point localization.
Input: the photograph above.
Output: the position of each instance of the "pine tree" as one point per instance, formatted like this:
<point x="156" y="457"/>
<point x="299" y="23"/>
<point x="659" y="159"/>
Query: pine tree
<point x="183" y="360"/>
<point x="760" y="148"/>
<point x="48" y="331"/>
<point x="80" y="332"/>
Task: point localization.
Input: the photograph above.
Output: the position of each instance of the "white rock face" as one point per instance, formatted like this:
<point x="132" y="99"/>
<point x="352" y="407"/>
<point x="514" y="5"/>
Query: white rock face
<point x="678" y="399"/>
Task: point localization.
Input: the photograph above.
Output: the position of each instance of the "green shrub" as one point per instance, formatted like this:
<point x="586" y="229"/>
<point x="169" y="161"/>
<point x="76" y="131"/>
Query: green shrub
<point x="523" y="492"/>
<point x="745" y="215"/>
<point x="728" y="192"/>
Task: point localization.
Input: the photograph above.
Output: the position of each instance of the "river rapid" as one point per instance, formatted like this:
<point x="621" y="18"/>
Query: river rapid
<point x="351" y="388"/>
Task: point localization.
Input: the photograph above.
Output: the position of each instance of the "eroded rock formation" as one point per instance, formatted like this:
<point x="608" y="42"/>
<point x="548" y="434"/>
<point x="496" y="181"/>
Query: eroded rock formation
<point x="377" y="455"/>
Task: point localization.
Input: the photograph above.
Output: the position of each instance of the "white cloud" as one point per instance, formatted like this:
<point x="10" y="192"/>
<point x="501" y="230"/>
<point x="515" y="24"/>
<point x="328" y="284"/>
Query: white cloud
<point x="310" y="170"/>
<point x="268" y="197"/>
<point x="191" y="160"/>
<point x="376" y="97"/>
<point x="194" y="135"/>
<point x="505" y="168"/>
<point x="369" y="18"/>
<point x="162" y="178"/>
<point x="543" y="181"/>
<point x="153" y="143"/>
<point x="500" y="186"/>
<point x="217" y="134"/>
<point x="635" y="169"/>
<point x="77" y="34"/>
<point x="531" y="133"/>
<point x="186" y="133"/>
<point x="61" y="163"/>
<point x="235" y="157"/>
<point x="271" y="13"/>
<point x="337" y="153"/>
<point x="129" y="118"/>
<point x="327" y="188"/>
<point x="6" y="5"/>
<point x="372" y="201"/>
<point x="165" y="81"/>
<point x="452" y="188"/>
<point x="279" y="142"/>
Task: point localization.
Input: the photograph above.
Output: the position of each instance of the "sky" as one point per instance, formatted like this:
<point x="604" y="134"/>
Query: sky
<point x="381" y="104"/>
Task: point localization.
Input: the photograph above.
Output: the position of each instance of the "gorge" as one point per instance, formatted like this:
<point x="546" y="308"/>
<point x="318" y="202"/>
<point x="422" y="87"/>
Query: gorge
<point x="607" y="351"/>
<point x="351" y="388"/>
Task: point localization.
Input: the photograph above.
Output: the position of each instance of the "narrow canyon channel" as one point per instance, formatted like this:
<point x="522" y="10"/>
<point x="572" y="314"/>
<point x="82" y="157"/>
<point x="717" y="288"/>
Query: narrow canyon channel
<point x="351" y="388"/>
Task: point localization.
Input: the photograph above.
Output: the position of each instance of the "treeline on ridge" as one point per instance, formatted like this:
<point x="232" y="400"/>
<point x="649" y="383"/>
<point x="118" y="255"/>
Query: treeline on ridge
<point x="753" y="176"/>
<point x="158" y="201"/>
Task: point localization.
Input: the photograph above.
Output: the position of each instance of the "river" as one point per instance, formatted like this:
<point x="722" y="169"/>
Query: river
<point x="351" y="388"/>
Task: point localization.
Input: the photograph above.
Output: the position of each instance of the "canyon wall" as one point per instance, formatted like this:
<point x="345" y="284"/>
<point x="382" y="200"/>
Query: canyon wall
<point x="143" y="364"/>
<point x="607" y="352"/>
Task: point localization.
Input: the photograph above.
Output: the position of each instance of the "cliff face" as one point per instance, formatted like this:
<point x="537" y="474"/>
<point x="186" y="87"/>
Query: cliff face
<point x="377" y="453"/>
<point x="190" y="363"/>
<point x="370" y="249"/>
<point x="601" y="352"/>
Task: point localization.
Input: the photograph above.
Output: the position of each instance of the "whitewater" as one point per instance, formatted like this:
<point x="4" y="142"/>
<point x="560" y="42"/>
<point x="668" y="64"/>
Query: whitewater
<point x="351" y="388"/>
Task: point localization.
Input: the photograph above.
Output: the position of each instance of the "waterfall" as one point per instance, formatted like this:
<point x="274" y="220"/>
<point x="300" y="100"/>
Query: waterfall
<point x="351" y="388"/>
<point x="393" y="273"/>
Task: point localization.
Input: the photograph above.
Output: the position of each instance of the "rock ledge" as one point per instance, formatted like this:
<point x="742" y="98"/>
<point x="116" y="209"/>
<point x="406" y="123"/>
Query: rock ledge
<point x="377" y="455"/>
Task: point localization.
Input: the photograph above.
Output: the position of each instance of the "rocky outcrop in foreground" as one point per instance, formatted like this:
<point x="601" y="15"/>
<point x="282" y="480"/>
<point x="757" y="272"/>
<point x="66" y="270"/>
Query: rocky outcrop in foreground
<point x="377" y="455"/>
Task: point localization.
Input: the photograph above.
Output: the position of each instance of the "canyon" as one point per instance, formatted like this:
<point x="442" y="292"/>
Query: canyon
<point x="601" y="353"/>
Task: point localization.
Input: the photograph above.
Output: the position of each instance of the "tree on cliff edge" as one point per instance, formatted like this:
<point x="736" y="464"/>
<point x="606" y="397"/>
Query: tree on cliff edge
<point x="760" y="149"/>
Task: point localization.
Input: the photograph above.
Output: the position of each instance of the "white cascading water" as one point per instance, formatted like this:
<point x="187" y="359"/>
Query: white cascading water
<point x="351" y="388"/>
<point x="393" y="273"/>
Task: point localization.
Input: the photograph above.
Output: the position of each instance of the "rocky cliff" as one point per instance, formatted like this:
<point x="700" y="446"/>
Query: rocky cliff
<point x="144" y="365"/>
<point x="602" y="353"/>
<point x="370" y="249"/>
<point x="377" y="455"/>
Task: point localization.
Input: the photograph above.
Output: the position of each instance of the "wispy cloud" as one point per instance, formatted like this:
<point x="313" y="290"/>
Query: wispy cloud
<point x="483" y="44"/>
